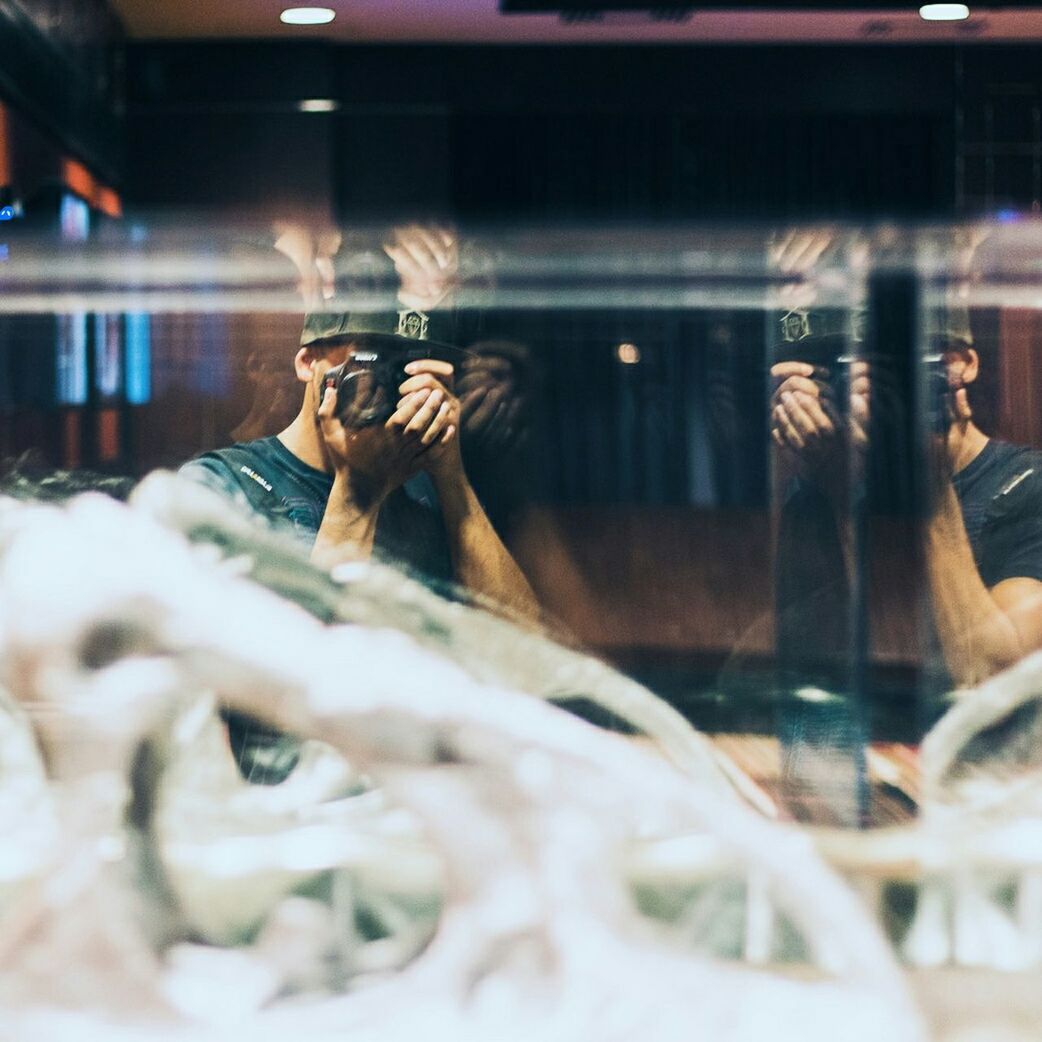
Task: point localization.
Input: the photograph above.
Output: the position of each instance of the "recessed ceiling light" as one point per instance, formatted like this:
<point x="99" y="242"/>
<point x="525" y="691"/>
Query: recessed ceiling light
<point x="944" y="12"/>
<point x="318" y="105"/>
<point x="307" y="15"/>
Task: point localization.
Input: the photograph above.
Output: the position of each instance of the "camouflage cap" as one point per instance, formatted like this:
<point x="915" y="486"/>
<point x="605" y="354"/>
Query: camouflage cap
<point x="818" y="336"/>
<point x="406" y="326"/>
<point x="801" y="324"/>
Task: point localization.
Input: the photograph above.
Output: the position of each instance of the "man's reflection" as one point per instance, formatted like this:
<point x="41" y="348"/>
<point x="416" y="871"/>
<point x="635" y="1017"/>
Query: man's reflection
<point x="983" y="536"/>
<point x="819" y="421"/>
<point x="372" y="459"/>
<point x="371" y="462"/>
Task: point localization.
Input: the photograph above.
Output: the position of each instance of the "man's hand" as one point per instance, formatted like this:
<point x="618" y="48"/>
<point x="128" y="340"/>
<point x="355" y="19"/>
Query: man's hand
<point x="961" y="416"/>
<point x="436" y="426"/>
<point x="806" y="423"/>
<point x="375" y="460"/>
<point x="369" y="462"/>
<point x="427" y="262"/>
<point x="802" y="416"/>
<point x="946" y="447"/>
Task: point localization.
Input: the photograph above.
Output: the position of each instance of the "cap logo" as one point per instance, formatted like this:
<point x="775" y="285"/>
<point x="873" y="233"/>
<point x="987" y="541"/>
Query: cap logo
<point x="795" y="326"/>
<point x="413" y="324"/>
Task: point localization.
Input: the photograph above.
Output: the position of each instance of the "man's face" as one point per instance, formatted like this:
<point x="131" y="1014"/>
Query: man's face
<point x="323" y="359"/>
<point x="329" y="358"/>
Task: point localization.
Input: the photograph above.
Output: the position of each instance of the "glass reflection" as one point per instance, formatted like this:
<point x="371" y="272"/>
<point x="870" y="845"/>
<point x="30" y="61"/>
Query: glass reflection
<point x="819" y="422"/>
<point x="747" y="498"/>
<point x="788" y="485"/>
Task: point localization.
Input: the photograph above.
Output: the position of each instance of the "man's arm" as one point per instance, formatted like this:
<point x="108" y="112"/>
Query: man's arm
<point x="348" y="528"/>
<point x="826" y="454"/>
<point x="480" y="561"/>
<point x="981" y="631"/>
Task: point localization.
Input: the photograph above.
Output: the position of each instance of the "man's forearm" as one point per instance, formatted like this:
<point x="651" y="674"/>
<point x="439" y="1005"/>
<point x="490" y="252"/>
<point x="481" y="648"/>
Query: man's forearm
<point x="348" y="528"/>
<point x="977" y="637"/>
<point x="480" y="560"/>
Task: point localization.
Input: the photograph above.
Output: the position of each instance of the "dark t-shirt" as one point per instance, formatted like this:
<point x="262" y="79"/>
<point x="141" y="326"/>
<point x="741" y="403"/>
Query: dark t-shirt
<point x="264" y="477"/>
<point x="1000" y="493"/>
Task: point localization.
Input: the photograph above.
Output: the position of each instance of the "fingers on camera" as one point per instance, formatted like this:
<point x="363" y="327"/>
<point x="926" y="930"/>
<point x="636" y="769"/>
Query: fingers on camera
<point x="785" y="429"/>
<point x="430" y="367"/>
<point x="426" y="413"/>
<point x="327" y="408"/>
<point x="407" y="409"/>
<point x="438" y="425"/>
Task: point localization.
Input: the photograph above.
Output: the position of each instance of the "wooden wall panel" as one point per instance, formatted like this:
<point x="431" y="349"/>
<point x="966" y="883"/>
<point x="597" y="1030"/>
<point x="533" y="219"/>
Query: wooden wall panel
<point x="1020" y="377"/>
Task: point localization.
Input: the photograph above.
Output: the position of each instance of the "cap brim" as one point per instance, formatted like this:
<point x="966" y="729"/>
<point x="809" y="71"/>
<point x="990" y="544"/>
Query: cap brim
<point x="390" y="342"/>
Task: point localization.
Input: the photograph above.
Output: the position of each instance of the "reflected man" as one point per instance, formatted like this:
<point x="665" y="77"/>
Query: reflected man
<point x="382" y="471"/>
<point x="983" y="534"/>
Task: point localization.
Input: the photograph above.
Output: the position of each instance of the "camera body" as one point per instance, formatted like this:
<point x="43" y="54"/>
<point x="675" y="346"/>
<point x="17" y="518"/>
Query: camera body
<point x="937" y="394"/>
<point x="367" y="381"/>
<point x="832" y="357"/>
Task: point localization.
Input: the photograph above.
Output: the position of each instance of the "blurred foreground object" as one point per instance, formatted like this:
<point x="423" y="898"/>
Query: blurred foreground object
<point x="112" y="626"/>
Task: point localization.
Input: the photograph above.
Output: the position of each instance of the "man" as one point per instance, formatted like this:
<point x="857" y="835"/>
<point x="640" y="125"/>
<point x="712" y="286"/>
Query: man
<point x="983" y="536"/>
<point x="396" y="486"/>
<point x="351" y="480"/>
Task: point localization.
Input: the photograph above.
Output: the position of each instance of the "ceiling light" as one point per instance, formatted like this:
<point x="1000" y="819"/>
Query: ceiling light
<point x="944" y="12"/>
<point x="318" y="105"/>
<point x="307" y="15"/>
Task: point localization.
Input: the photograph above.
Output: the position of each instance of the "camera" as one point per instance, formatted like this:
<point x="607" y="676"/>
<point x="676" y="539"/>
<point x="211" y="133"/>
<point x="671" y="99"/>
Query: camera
<point x="937" y="394"/>
<point x="367" y="382"/>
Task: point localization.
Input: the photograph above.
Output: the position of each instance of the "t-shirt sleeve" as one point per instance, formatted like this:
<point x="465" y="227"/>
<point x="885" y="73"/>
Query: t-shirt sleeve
<point x="217" y="477"/>
<point x="1022" y="557"/>
<point x="1011" y="545"/>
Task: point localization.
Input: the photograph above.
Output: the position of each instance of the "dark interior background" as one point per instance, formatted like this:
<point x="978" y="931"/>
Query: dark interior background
<point x="553" y="133"/>
<point x="484" y="135"/>
<point x="730" y="133"/>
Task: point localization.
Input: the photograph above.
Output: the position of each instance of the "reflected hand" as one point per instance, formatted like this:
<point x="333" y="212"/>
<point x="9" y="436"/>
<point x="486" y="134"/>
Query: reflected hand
<point x="796" y="253"/>
<point x="802" y="416"/>
<point x="947" y="447"/>
<point x="427" y="263"/>
<point x="492" y="405"/>
<point x="860" y="397"/>
<point x="312" y="251"/>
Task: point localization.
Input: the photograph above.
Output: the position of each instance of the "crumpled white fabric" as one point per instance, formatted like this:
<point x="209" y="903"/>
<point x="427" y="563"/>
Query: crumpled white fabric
<point x="107" y="622"/>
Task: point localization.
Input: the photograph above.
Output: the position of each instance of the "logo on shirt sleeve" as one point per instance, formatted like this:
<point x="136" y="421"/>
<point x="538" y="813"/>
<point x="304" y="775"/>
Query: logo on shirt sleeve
<point x="254" y="476"/>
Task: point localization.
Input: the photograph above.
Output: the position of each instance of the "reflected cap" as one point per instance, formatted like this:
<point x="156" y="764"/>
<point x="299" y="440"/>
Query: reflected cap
<point x="404" y="327"/>
<point x="801" y="324"/>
